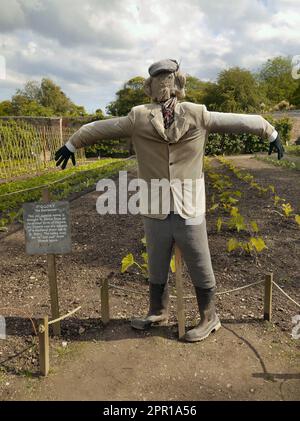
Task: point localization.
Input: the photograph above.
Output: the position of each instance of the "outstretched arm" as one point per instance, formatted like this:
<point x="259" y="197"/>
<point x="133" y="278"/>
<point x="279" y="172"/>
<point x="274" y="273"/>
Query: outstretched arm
<point x="242" y="123"/>
<point x="91" y="133"/>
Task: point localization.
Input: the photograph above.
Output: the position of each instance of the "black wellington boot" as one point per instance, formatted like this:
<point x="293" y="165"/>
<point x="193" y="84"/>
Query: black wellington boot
<point x="209" y="322"/>
<point x="158" y="308"/>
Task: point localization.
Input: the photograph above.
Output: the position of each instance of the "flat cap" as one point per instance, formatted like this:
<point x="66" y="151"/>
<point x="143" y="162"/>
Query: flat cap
<point x="167" y="65"/>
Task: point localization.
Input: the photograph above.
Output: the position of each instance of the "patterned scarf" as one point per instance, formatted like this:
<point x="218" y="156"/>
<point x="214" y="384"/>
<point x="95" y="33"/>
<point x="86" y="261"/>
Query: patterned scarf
<point x="168" y="111"/>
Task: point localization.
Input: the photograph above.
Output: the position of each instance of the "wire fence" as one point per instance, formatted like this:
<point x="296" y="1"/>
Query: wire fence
<point x="29" y="149"/>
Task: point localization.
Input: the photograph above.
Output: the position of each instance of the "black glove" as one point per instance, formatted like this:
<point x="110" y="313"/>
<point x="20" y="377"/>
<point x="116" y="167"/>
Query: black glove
<point x="63" y="155"/>
<point x="277" y="145"/>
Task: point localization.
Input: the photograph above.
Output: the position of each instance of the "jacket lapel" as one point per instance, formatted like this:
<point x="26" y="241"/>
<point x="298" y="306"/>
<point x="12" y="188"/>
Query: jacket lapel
<point x="158" y="122"/>
<point x="177" y="129"/>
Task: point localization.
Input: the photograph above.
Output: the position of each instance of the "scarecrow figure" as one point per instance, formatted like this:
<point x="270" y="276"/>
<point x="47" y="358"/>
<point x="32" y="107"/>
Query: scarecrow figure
<point x="169" y="139"/>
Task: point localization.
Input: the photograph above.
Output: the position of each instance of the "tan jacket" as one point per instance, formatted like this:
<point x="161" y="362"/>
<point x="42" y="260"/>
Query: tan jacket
<point x="174" y="153"/>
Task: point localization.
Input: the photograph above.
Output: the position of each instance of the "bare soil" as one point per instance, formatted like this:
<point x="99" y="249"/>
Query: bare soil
<point x="248" y="359"/>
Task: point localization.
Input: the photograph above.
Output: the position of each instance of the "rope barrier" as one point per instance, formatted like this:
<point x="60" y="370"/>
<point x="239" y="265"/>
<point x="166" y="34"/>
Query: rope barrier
<point x="187" y="297"/>
<point x="64" y="178"/>
<point x="65" y="316"/>
<point x="237" y="289"/>
<point x="284" y="293"/>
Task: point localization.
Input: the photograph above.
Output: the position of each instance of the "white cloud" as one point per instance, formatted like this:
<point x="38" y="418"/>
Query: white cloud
<point x="90" y="48"/>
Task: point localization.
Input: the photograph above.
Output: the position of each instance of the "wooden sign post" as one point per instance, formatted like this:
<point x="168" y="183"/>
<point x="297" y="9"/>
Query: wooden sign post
<point x="51" y="263"/>
<point x="47" y="231"/>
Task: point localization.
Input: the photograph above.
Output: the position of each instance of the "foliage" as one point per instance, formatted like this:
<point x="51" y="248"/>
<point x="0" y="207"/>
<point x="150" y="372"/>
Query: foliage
<point x="83" y="177"/>
<point x="275" y="78"/>
<point x="108" y="148"/>
<point x="238" y="91"/>
<point x="248" y="178"/>
<point x="287" y="209"/>
<point x="40" y="99"/>
<point x="16" y="139"/>
<point x="293" y="150"/>
<point x="129" y="261"/>
<point x="196" y="90"/>
<point x="283" y="163"/>
<point x="130" y="95"/>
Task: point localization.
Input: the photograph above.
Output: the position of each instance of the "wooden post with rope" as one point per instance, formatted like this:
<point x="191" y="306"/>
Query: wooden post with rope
<point x="104" y="295"/>
<point x="268" y="297"/>
<point x="51" y="263"/>
<point x="179" y="293"/>
<point x="43" y="332"/>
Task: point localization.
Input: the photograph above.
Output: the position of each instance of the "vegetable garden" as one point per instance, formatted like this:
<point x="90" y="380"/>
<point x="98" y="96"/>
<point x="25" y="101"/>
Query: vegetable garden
<point x="253" y="227"/>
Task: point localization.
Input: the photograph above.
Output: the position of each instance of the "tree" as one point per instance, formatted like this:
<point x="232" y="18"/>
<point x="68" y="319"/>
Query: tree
<point x="53" y="97"/>
<point x="195" y="89"/>
<point x="130" y="95"/>
<point x="5" y="108"/>
<point x="42" y="99"/>
<point x="21" y="105"/>
<point x="296" y="95"/>
<point x="31" y="91"/>
<point x="275" y="78"/>
<point x="237" y="91"/>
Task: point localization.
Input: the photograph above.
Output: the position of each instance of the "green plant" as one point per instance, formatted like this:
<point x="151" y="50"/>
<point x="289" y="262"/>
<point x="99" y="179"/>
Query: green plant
<point x="256" y="244"/>
<point x="287" y="209"/>
<point x="27" y="190"/>
<point x="129" y="261"/>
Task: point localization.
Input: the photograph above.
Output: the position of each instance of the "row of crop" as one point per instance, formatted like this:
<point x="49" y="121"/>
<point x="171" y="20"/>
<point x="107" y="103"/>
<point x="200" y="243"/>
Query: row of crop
<point x="283" y="163"/>
<point x="280" y="204"/>
<point x="14" y="194"/>
<point x="225" y="202"/>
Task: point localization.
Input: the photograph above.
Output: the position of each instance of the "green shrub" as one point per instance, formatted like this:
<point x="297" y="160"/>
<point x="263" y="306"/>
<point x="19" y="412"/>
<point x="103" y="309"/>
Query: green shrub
<point x="108" y="148"/>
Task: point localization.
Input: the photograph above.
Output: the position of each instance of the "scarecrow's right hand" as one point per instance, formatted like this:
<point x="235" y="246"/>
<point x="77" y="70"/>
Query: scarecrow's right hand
<point x="63" y="155"/>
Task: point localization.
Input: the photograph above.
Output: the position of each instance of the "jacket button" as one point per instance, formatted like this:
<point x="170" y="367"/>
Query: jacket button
<point x="171" y="163"/>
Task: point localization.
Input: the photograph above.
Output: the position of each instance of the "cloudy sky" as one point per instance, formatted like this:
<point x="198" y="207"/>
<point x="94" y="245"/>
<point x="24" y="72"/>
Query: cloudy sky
<point x="91" y="47"/>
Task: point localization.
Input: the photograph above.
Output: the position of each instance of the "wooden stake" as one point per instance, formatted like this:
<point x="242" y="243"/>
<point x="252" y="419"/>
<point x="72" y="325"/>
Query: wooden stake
<point x="51" y="263"/>
<point x="104" y="301"/>
<point x="268" y="297"/>
<point x="44" y="346"/>
<point x="179" y="292"/>
<point x="61" y="132"/>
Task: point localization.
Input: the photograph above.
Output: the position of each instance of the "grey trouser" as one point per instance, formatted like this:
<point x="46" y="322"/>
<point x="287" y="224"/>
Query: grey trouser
<point x="191" y="240"/>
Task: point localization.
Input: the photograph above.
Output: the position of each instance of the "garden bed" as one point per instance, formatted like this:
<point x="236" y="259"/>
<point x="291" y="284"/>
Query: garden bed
<point x="100" y="243"/>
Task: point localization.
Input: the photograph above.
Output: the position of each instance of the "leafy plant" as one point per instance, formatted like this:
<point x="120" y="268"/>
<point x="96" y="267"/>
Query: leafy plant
<point x="287" y="209"/>
<point x="254" y="226"/>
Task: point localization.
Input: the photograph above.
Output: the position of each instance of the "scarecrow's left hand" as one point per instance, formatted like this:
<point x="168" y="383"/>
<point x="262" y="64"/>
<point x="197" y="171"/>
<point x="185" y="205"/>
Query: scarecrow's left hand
<point x="277" y="146"/>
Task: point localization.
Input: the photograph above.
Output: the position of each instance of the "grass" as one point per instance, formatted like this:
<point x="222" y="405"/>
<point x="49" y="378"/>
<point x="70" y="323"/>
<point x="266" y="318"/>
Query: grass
<point x="293" y="150"/>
